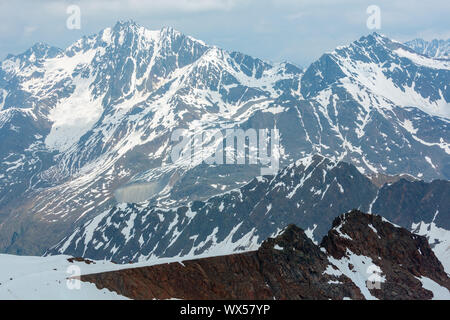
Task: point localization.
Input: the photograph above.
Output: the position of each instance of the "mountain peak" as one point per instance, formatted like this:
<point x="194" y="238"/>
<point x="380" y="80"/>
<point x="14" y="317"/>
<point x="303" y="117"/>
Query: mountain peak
<point x="373" y="39"/>
<point x="123" y="24"/>
<point x="38" y="51"/>
<point x="168" y="30"/>
<point x="132" y="26"/>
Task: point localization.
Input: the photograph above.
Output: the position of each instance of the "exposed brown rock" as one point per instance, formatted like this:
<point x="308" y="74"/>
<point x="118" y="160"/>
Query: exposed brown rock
<point x="80" y="259"/>
<point x="296" y="272"/>
<point x="401" y="255"/>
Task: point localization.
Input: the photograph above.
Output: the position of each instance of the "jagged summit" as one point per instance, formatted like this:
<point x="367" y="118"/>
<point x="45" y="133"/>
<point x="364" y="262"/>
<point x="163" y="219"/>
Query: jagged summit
<point x="130" y="26"/>
<point x="125" y="33"/>
<point x="127" y="23"/>
<point x="374" y="36"/>
<point x="36" y="54"/>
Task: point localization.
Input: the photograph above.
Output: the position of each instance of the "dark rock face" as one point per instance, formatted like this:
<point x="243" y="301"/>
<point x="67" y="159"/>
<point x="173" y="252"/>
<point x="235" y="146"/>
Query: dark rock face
<point x="297" y="271"/>
<point x="408" y="202"/>
<point x="401" y="255"/>
<point x="291" y="266"/>
<point x="229" y="277"/>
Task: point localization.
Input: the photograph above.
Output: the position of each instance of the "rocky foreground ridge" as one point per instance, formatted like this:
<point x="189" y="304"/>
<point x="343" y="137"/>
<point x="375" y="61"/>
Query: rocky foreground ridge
<point x="362" y="257"/>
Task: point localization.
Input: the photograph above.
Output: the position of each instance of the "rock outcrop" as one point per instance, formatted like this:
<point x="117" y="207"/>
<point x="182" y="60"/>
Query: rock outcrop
<point x="403" y="258"/>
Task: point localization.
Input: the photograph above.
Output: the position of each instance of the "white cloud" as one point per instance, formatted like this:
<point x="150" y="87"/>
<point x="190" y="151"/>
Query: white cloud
<point x="29" y="30"/>
<point x="293" y="30"/>
<point x="150" y="7"/>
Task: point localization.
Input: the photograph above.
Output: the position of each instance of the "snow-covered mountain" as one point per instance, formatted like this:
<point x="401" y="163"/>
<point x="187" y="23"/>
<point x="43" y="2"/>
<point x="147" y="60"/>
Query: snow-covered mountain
<point x="99" y="115"/>
<point x="433" y="49"/>
<point x="93" y="121"/>
<point x="309" y="193"/>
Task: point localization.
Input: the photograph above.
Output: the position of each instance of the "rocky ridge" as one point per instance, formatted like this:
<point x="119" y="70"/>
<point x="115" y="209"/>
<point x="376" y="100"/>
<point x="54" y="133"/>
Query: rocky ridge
<point x="291" y="266"/>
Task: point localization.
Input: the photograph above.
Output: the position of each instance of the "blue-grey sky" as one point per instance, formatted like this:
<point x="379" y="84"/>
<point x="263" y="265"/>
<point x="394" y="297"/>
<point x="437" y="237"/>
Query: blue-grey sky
<point x="276" y="30"/>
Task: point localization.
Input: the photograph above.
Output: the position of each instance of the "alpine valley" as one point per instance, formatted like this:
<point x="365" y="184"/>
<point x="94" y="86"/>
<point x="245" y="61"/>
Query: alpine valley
<point x="86" y="166"/>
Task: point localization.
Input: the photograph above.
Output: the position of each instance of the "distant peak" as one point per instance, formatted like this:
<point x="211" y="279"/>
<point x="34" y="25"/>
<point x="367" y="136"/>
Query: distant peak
<point x="38" y="50"/>
<point x="130" y="26"/>
<point x="436" y="48"/>
<point x="374" y="37"/>
<point x="169" y="31"/>
<point x="125" y="23"/>
<point x="41" y="45"/>
<point x="377" y="35"/>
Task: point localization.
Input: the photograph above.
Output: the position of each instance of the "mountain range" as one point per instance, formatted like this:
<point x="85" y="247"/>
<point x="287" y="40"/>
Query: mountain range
<point x="86" y="140"/>
<point x="434" y="49"/>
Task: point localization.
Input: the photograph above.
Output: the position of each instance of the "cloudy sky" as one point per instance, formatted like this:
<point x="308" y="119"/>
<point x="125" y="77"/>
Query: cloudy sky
<point x="276" y="30"/>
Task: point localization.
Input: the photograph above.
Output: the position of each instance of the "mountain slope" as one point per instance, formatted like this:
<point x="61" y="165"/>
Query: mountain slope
<point x="309" y="193"/>
<point x="46" y="278"/>
<point x="376" y="95"/>
<point x="422" y="208"/>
